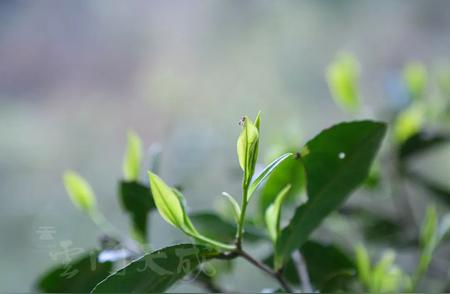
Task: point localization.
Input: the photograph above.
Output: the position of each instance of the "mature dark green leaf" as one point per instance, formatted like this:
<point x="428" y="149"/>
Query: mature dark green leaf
<point x="421" y="142"/>
<point x="137" y="201"/>
<point x="215" y="227"/>
<point x="156" y="271"/>
<point x="336" y="162"/>
<point x="80" y="275"/>
<point x="289" y="172"/>
<point x="329" y="267"/>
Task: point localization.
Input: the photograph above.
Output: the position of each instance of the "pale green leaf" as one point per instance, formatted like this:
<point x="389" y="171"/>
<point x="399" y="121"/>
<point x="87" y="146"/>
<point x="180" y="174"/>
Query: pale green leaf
<point x="429" y="239"/>
<point x="247" y="148"/>
<point x="380" y="271"/>
<point x="265" y="173"/>
<point x="187" y="221"/>
<point x="170" y="204"/>
<point x="133" y="158"/>
<point x="273" y="214"/>
<point x="167" y="202"/>
<point x="429" y="228"/>
<point x="80" y="191"/>
<point x="409" y="122"/>
<point x="343" y="76"/>
<point x="415" y="77"/>
<point x="258" y="120"/>
<point x="363" y="264"/>
<point x="234" y="205"/>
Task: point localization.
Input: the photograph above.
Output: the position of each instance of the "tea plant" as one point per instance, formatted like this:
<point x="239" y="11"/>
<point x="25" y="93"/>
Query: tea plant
<point x="335" y="162"/>
<point x="293" y="194"/>
<point x="419" y="114"/>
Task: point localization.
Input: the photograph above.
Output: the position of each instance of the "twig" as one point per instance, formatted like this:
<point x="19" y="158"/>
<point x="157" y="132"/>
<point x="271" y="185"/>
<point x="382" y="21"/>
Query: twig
<point x="266" y="269"/>
<point x="302" y="271"/>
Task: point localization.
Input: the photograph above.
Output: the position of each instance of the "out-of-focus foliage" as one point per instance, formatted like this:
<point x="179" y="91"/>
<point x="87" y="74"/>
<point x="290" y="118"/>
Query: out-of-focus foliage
<point x="80" y="192"/>
<point x="344" y="156"/>
<point x="415" y="76"/>
<point x="75" y="76"/>
<point x="343" y="78"/>
<point x="348" y="149"/>
<point x="133" y="158"/>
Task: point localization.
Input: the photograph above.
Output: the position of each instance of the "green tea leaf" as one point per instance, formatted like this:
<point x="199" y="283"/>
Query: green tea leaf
<point x="288" y="172"/>
<point x="168" y="203"/>
<point x="429" y="228"/>
<point x="381" y="271"/>
<point x="247" y="148"/>
<point x="408" y="123"/>
<point x="343" y="76"/>
<point x="215" y="227"/>
<point x="77" y="276"/>
<point x="234" y="205"/>
<point x="265" y="173"/>
<point x="338" y="161"/>
<point x="415" y="77"/>
<point x="137" y="201"/>
<point x="431" y="235"/>
<point x="156" y="271"/>
<point x="273" y="214"/>
<point x="363" y="264"/>
<point x="133" y="158"/>
<point x="80" y="192"/>
<point x="329" y="266"/>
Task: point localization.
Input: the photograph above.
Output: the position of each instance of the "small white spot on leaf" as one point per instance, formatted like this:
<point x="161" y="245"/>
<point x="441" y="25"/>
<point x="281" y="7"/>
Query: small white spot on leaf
<point x="341" y="155"/>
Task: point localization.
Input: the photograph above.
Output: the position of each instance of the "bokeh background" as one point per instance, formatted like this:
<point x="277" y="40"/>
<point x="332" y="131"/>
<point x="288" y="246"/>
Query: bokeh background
<point x="76" y="75"/>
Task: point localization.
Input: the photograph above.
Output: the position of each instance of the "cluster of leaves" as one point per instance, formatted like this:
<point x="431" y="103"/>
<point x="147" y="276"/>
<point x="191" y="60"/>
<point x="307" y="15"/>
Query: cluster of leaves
<point x="385" y="276"/>
<point x="329" y="167"/>
<point x="419" y="118"/>
<point x="334" y="163"/>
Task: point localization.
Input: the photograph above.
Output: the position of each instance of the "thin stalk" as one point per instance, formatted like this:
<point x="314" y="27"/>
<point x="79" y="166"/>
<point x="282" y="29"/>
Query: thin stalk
<point x="102" y="223"/>
<point x="214" y="243"/>
<point x="266" y="269"/>
<point x="240" y="228"/>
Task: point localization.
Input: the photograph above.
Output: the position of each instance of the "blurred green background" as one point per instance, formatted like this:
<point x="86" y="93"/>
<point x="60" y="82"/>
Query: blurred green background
<point x="76" y="75"/>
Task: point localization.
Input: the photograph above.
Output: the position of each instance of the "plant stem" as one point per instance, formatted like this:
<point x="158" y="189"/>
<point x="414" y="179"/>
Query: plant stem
<point x="213" y="242"/>
<point x="263" y="267"/>
<point x="240" y="228"/>
<point x="238" y="252"/>
<point x="102" y="223"/>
